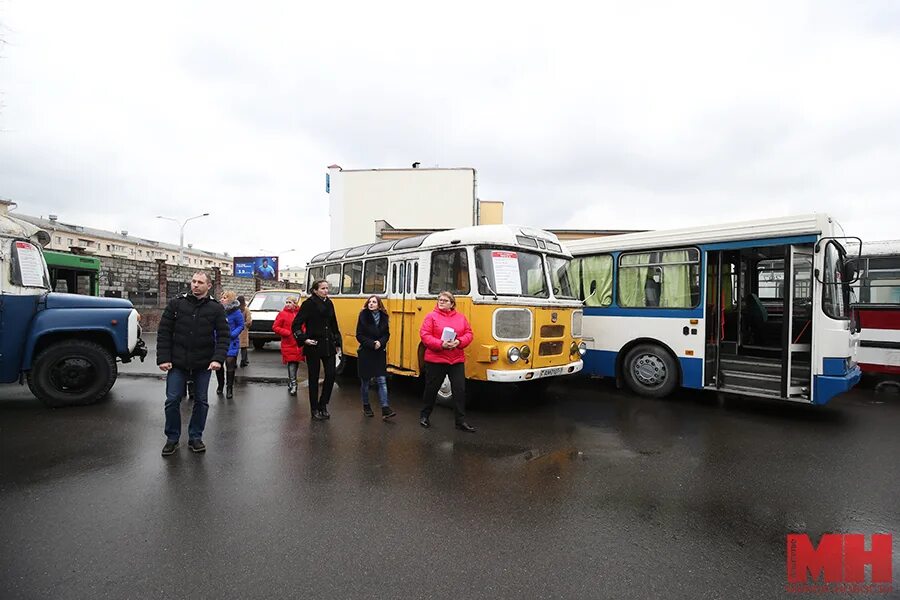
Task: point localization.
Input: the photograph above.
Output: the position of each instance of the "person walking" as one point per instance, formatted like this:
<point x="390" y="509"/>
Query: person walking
<point x="372" y="333"/>
<point x="192" y="341"/>
<point x="445" y="333"/>
<point x="291" y="354"/>
<point x="245" y="334"/>
<point x="316" y="328"/>
<point x="235" y="327"/>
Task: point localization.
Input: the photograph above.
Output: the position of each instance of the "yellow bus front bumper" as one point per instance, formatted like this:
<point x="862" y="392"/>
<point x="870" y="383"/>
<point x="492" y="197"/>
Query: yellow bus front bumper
<point x="532" y="374"/>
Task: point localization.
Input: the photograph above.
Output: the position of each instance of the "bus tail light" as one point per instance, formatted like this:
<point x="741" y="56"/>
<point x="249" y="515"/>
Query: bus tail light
<point x="495" y="354"/>
<point x="513" y="354"/>
<point x="525" y="352"/>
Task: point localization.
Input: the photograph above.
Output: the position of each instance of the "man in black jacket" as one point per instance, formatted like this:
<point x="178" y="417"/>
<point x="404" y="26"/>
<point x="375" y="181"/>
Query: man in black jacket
<point x="192" y="342"/>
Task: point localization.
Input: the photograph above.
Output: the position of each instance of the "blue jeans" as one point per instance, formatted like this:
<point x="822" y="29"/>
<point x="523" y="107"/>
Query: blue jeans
<point x="382" y="389"/>
<point x="176" y="384"/>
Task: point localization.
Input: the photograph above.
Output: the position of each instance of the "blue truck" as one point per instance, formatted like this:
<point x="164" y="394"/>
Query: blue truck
<point x="66" y="346"/>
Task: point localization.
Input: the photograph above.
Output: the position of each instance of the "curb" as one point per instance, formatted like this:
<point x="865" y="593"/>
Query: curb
<point x="237" y="379"/>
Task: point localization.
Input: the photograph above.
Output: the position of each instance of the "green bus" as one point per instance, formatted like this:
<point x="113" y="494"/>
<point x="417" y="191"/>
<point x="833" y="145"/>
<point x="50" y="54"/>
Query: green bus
<point x="73" y="273"/>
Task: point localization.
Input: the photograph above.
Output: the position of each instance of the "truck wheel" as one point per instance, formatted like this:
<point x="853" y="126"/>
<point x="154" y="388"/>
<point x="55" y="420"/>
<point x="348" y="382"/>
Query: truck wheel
<point x="72" y="373"/>
<point x="649" y="370"/>
<point x="258" y="344"/>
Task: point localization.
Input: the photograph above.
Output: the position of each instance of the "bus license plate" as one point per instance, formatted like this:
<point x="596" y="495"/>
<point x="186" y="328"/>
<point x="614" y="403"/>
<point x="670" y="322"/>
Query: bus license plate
<point x="552" y="371"/>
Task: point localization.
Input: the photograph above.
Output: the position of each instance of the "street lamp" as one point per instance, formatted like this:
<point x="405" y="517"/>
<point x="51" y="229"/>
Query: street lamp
<point x="181" y="239"/>
<point x="279" y="253"/>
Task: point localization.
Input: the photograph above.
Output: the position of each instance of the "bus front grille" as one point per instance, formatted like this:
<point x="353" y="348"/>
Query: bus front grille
<point x="550" y="348"/>
<point x="552" y="331"/>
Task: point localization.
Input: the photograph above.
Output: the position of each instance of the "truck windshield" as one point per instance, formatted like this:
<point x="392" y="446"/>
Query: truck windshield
<point x="511" y="273"/>
<point x="29" y="267"/>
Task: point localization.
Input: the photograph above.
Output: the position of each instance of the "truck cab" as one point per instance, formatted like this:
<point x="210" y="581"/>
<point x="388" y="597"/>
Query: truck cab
<point x="64" y="345"/>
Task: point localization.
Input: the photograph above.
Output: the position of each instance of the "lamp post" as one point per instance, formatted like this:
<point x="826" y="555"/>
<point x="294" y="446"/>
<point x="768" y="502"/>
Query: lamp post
<point x="181" y="239"/>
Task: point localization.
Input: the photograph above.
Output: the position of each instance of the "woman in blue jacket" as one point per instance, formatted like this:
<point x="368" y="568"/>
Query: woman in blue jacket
<point x="236" y="326"/>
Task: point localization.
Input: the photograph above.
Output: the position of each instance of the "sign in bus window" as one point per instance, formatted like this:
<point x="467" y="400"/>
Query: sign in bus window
<point x="30" y="266"/>
<point x="506" y="272"/>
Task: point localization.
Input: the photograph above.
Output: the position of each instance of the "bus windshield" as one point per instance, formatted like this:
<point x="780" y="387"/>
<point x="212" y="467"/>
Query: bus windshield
<point x="510" y="273"/>
<point x="559" y="276"/>
<point x="835" y="291"/>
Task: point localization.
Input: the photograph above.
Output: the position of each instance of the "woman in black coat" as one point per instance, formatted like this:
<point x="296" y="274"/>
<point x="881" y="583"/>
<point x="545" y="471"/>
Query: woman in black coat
<point x="316" y="328"/>
<point x="372" y="332"/>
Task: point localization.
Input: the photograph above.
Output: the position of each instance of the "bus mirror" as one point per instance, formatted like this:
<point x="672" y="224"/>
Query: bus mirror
<point x="851" y="273"/>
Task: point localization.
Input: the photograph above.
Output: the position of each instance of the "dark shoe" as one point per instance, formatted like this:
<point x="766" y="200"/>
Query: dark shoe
<point x="424" y="422"/>
<point x="317" y="416"/>
<point x="170" y="448"/>
<point x="387" y="412"/>
<point x="367" y="410"/>
<point x="197" y="445"/>
<point x="219" y="390"/>
<point x="465" y="427"/>
<point x="230" y="393"/>
<point x="324" y="413"/>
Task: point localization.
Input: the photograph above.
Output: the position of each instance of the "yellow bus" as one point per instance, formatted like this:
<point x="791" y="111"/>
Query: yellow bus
<point x="510" y="282"/>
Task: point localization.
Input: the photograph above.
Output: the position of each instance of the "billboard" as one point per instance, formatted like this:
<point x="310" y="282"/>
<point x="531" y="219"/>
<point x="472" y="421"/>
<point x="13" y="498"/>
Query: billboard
<point x="264" y="267"/>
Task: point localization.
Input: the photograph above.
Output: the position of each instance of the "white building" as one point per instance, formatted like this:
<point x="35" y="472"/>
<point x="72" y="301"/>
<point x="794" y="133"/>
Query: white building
<point x="293" y="275"/>
<point x="66" y="237"/>
<point x="434" y="198"/>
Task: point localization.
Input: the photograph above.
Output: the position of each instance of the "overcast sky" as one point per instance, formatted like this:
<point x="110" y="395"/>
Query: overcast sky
<point x="577" y="115"/>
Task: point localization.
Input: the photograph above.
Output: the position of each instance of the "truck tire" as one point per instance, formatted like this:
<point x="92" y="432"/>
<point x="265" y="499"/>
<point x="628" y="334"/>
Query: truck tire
<point x="649" y="370"/>
<point x="72" y="373"/>
<point x="258" y="344"/>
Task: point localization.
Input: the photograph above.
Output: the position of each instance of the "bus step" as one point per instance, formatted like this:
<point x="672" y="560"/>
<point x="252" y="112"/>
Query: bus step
<point x="749" y="391"/>
<point x="751" y="365"/>
<point x="758" y="381"/>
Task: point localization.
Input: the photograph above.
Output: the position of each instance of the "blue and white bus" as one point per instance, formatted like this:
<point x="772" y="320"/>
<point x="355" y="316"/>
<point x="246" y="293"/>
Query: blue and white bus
<point x="759" y="308"/>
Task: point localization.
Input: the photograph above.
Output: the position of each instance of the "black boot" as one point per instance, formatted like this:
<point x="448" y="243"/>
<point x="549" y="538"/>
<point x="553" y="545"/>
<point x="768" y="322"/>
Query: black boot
<point x="229" y="388"/>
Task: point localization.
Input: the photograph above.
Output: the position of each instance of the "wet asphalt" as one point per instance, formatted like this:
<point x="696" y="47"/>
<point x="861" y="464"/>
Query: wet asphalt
<point x="587" y="492"/>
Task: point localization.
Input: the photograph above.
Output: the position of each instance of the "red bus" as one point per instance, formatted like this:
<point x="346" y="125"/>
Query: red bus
<point x="877" y="309"/>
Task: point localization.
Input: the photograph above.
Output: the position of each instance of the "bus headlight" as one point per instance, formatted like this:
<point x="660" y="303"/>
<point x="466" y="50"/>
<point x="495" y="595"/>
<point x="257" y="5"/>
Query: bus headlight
<point x="513" y="354"/>
<point x="525" y="352"/>
<point x="582" y="349"/>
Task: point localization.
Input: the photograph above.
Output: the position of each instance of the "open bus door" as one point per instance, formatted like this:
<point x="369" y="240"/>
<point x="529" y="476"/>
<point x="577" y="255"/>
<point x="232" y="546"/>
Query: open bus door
<point x="759" y="321"/>
<point x="797" y="322"/>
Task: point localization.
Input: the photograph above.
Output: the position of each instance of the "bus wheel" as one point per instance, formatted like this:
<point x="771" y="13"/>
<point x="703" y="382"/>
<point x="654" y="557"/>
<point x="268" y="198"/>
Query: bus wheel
<point x="343" y="364"/>
<point x="650" y="371"/>
<point x="258" y="344"/>
<point x="73" y="372"/>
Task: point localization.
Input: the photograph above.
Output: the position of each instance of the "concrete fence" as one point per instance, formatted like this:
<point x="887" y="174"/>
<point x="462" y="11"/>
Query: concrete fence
<point x="150" y="285"/>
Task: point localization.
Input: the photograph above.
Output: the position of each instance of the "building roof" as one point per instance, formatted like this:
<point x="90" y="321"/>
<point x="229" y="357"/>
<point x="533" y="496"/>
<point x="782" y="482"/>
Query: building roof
<point x="55" y="225"/>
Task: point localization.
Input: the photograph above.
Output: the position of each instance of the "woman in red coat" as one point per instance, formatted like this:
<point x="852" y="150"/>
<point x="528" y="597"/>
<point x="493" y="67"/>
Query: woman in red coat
<point x="291" y="354"/>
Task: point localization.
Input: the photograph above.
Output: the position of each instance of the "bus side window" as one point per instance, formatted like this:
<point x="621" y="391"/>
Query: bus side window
<point x="449" y="271"/>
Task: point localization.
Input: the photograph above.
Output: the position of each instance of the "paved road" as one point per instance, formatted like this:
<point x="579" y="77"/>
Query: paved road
<point x="588" y="493"/>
